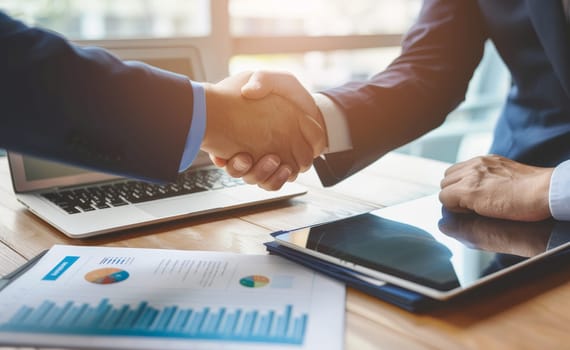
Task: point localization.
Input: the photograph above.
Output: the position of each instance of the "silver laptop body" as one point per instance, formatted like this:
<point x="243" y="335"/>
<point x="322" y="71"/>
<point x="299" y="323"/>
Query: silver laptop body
<point x="82" y="203"/>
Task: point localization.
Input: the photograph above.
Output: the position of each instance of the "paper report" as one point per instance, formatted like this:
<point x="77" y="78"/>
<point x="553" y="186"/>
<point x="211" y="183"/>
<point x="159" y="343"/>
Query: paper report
<point x="103" y="297"/>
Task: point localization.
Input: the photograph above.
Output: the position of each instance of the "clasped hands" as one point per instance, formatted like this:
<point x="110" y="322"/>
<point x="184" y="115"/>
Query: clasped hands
<point x="264" y="126"/>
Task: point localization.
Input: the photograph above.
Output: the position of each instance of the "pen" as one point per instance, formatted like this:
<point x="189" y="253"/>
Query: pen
<point x="9" y="278"/>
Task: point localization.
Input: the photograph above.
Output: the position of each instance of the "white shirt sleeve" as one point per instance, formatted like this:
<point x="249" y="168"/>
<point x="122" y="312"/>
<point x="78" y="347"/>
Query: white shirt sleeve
<point x="335" y="122"/>
<point x="559" y="193"/>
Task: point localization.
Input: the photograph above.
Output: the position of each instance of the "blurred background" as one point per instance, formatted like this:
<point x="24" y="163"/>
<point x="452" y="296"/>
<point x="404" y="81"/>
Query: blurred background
<point x="324" y="42"/>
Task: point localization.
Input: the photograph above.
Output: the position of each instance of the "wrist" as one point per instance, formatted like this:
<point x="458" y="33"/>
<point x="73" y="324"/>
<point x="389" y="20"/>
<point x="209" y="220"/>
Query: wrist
<point x="543" y="192"/>
<point x="319" y="118"/>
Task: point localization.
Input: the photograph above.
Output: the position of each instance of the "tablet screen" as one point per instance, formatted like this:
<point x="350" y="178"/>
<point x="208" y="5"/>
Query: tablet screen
<point x="421" y="246"/>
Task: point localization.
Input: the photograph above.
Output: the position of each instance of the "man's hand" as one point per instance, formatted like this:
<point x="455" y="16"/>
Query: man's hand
<point x="268" y="126"/>
<point x="497" y="187"/>
<point x="269" y="170"/>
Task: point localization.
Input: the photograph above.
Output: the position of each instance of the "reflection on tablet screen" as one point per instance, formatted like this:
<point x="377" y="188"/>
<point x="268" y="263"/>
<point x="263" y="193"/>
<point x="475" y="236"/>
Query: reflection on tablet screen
<point x="387" y="245"/>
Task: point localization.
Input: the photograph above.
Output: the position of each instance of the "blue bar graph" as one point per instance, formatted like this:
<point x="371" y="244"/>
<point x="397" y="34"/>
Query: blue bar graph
<point x="224" y="324"/>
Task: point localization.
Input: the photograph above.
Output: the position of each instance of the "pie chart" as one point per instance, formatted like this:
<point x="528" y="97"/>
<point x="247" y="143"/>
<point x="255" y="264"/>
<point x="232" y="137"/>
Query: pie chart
<point x="254" y="281"/>
<point x="107" y="275"/>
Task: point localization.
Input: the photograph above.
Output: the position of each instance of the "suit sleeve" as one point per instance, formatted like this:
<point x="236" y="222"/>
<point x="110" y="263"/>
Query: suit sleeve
<point x="86" y="107"/>
<point x="415" y="93"/>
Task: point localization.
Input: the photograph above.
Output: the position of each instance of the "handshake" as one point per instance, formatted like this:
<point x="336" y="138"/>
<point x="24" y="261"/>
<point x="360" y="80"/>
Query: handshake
<point x="263" y="126"/>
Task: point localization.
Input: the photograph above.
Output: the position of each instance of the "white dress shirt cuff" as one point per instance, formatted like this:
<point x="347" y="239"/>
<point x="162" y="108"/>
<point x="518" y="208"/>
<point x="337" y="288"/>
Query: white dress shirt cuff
<point x="559" y="193"/>
<point x="335" y="121"/>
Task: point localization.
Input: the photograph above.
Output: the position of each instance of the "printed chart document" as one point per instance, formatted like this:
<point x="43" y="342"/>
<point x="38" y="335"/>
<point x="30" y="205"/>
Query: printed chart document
<point x="131" y="298"/>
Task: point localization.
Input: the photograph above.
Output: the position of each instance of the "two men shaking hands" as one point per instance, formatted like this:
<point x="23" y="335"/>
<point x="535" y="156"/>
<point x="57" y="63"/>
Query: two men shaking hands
<point x="86" y="107"/>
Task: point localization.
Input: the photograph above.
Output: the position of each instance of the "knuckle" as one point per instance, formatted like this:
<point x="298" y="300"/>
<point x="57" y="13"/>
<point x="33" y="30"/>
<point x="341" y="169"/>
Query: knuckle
<point x="232" y="172"/>
<point x="443" y="196"/>
<point x="261" y="75"/>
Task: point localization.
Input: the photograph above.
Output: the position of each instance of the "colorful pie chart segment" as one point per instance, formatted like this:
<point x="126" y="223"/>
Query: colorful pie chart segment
<point x="108" y="275"/>
<point x="254" y="281"/>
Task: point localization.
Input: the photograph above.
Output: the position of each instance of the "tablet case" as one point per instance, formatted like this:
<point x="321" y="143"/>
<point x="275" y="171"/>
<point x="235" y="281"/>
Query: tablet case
<point x="398" y="296"/>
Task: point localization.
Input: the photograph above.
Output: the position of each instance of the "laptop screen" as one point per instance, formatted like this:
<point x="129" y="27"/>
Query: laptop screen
<point x="38" y="169"/>
<point x="31" y="173"/>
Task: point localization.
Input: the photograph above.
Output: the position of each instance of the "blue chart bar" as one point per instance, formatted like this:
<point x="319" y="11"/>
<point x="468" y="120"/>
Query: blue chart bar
<point x="168" y="322"/>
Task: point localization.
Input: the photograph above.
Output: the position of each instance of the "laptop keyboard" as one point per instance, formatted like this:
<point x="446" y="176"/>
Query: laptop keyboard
<point x="127" y="192"/>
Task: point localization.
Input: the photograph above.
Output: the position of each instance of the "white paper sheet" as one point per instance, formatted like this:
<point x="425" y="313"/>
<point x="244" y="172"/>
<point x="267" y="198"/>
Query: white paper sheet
<point x="131" y="298"/>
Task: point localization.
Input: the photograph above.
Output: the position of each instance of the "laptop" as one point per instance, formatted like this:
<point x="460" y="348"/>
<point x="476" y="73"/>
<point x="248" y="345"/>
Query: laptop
<point x="82" y="203"/>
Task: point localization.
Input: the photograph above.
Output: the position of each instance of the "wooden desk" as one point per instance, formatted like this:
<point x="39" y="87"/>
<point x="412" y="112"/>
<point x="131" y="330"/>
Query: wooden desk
<point x="532" y="314"/>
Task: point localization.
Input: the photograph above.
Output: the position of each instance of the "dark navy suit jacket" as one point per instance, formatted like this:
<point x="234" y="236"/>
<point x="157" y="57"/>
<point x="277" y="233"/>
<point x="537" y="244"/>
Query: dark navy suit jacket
<point x="86" y="107"/>
<point x="430" y="78"/>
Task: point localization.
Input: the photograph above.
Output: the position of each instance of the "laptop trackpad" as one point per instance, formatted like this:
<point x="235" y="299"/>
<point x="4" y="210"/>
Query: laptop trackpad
<point x="186" y="205"/>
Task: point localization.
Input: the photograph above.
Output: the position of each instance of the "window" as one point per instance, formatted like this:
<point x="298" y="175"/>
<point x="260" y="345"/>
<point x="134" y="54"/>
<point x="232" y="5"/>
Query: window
<point x="111" y="19"/>
<point x="324" y="42"/>
<point x="318" y="70"/>
<point x="321" y="17"/>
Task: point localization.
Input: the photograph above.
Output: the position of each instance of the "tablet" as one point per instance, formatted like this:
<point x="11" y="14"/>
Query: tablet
<point x="420" y="246"/>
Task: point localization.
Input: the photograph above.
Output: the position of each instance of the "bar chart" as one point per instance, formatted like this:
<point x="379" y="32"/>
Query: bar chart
<point x="282" y="326"/>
